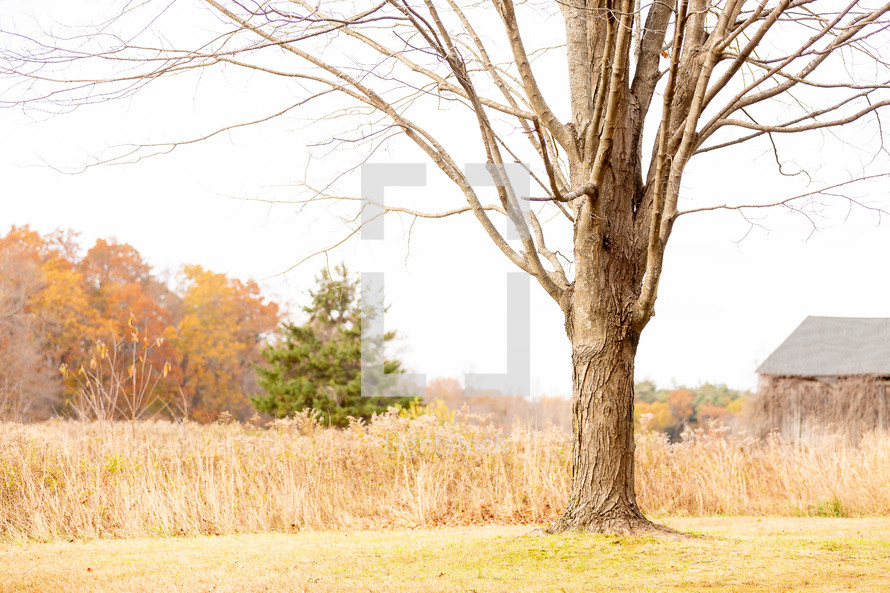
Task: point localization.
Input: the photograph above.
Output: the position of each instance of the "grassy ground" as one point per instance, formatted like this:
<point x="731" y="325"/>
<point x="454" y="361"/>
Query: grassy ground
<point x="724" y="554"/>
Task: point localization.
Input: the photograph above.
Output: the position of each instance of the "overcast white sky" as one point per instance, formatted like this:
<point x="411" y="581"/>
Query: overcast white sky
<point x="730" y="292"/>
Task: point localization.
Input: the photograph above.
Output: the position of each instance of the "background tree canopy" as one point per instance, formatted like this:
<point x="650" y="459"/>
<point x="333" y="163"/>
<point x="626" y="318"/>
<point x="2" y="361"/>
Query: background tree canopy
<point x="105" y="315"/>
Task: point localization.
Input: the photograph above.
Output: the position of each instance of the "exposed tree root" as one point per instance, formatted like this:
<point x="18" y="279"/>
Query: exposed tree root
<point x="629" y="522"/>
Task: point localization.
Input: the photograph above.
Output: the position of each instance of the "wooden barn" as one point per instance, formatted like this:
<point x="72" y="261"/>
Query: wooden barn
<point x="830" y="376"/>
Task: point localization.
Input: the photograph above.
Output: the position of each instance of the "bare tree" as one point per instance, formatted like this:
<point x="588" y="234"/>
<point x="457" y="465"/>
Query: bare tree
<point x="702" y="75"/>
<point x="28" y="386"/>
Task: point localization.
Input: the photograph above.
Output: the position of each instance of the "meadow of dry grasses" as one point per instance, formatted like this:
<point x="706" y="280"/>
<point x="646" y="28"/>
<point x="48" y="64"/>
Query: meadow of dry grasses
<point x="64" y="479"/>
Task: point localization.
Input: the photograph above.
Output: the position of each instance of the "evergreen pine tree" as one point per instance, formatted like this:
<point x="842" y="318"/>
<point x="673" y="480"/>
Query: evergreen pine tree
<point x="318" y="365"/>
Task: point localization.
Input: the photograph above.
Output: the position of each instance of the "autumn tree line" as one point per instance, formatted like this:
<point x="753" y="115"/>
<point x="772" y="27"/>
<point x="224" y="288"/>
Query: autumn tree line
<point x="664" y="410"/>
<point x="80" y="328"/>
<point x="97" y="334"/>
<point x="675" y="410"/>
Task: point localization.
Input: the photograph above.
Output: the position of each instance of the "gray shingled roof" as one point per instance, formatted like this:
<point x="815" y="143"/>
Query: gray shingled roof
<point x="831" y="346"/>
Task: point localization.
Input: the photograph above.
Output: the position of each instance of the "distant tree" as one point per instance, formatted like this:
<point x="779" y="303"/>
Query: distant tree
<point x="28" y="389"/>
<point x="447" y="389"/>
<point x="125" y="294"/>
<point x="46" y="320"/>
<point x="318" y="364"/>
<point x="682" y="406"/>
<point x="736" y="406"/>
<point x="712" y="412"/>
<point x="675" y="409"/>
<point x="719" y="395"/>
<point x="222" y="327"/>
<point x="120" y="282"/>
<point x="660" y="418"/>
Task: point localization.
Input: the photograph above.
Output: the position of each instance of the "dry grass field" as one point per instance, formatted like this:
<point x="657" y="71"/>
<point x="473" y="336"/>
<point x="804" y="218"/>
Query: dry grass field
<point x="425" y="504"/>
<point x="66" y="480"/>
<point x="749" y="555"/>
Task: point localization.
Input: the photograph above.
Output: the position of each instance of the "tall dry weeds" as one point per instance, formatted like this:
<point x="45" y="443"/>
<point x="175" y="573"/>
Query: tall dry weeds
<point x="67" y="479"/>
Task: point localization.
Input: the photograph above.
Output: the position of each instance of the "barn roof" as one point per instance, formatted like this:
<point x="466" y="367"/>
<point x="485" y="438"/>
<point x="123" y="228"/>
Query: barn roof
<point x="832" y="346"/>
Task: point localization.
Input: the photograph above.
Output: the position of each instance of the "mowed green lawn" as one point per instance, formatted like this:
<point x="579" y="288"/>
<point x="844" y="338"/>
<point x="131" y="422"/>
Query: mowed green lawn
<point x="724" y="554"/>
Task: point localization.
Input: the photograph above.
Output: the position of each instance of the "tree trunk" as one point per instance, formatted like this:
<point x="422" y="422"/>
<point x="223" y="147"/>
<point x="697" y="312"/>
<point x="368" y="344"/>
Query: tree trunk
<point x="601" y="326"/>
<point x="602" y="495"/>
<point x="602" y="498"/>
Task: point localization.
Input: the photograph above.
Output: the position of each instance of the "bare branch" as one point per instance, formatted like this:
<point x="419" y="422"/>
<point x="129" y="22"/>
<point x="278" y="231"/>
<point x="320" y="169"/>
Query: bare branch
<point x="532" y="90"/>
<point x="809" y="194"/>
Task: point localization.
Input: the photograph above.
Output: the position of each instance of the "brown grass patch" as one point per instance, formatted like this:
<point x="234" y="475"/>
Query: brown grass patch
<point x="62" y="480"/>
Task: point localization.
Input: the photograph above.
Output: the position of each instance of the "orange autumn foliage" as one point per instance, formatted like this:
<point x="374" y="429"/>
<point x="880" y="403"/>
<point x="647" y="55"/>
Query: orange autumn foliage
<point x="57" y="305"/>
<point x="658" y="415"/>
<point x="126" y="295"/>
<point x="682" y="405"/>
<point x="223" y="325"/>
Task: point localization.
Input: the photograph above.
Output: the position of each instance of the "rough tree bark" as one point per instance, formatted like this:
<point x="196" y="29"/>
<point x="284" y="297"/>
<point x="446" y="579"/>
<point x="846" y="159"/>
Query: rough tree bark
<point x="699" y="72"/>
<point x="600" y="325"/>
<point x="602" y="322"/>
